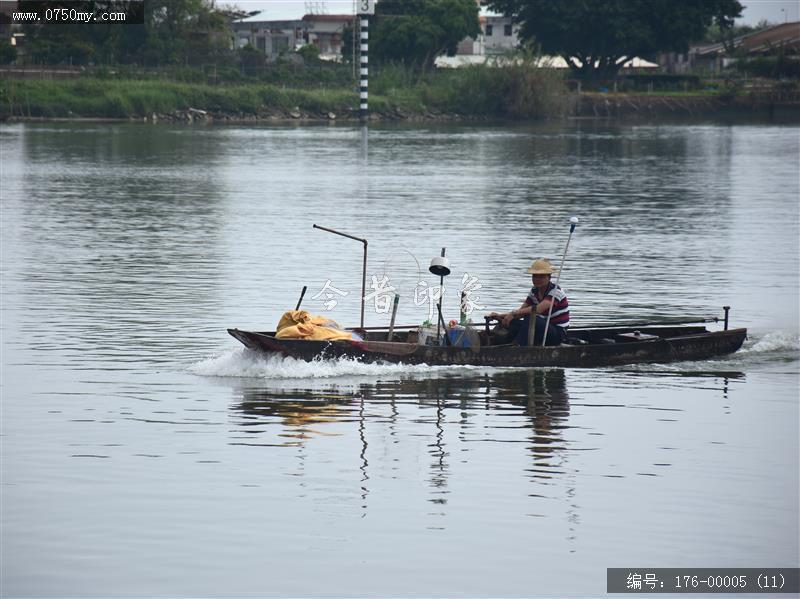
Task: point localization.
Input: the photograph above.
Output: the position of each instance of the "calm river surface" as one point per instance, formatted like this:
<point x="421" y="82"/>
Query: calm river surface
<point x="145" y="453"/>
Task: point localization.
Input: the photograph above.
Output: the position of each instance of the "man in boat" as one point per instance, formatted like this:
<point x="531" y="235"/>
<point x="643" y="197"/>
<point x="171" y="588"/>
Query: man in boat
<point x="542" y="295"/>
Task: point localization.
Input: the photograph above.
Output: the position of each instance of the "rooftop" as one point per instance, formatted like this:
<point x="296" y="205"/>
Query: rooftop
<point x="295" y="10"/>
<point x="786" y="35"/>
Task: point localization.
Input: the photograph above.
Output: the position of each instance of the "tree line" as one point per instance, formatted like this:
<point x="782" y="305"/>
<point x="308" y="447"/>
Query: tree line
<point x="173" y="32"/>
<point x="595" y="37"/>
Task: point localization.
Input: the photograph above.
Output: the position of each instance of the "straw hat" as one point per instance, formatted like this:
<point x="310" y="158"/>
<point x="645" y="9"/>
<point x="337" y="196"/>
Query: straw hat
<point x="541" y="266"/>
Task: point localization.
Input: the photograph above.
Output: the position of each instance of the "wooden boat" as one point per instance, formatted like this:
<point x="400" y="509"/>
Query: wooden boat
<point x="586" y="347"/>
<point x="598" y="346"/>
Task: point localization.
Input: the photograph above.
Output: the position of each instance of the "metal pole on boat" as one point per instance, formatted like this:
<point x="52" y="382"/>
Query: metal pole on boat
<point x="363" y="272"/>
<point x="302" y="295"/>
<point x="440" y="266"/>
<point x="441" y="324"/>
<point x="394" y="313"/>
<point x="573" y="222"/>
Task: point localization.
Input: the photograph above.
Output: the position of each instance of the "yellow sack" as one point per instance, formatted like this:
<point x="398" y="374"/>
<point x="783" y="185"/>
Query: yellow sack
<point x="299" y="324"/>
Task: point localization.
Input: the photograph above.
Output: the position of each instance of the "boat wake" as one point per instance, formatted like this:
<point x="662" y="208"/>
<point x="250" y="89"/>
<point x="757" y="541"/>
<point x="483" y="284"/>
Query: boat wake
<point x="770" y="348"/>
<point x="775" y="342"/>
<point x="245" y="363"/>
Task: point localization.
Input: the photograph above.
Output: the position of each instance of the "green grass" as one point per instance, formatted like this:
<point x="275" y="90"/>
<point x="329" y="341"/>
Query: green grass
<point x="91" y="97"/>
<point x="518" y="91"/>
<point x="515" y="92"/>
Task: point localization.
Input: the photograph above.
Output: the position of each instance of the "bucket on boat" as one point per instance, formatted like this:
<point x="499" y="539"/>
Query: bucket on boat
<point x="459" y="336"/>
<point x="427" y="335"/>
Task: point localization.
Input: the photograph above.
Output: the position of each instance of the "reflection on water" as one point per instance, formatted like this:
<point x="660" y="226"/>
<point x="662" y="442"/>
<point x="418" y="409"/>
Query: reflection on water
<point x="541" y="395"/>
<point x="451" y="412"/>
<point x="517" y="424"/>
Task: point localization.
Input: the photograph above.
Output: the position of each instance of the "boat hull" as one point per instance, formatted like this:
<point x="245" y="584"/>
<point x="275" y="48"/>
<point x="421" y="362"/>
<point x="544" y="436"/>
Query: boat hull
<point x="693" y="345"/>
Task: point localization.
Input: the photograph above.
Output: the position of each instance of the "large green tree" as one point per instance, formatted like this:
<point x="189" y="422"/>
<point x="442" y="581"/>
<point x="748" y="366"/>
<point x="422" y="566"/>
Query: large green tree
<point x="174" y="31"/>
<point x="184" y="32"/>
<point x="415" y="32"/>
<point x="58" y="42"/>
<point x="596" y="36"/>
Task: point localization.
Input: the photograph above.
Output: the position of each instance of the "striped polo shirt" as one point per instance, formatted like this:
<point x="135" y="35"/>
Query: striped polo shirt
<point x="560" y="314"/>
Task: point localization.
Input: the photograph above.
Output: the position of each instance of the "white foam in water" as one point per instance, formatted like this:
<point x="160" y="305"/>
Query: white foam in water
<point x="244" y="363"/>
<point x="775" y="341"/>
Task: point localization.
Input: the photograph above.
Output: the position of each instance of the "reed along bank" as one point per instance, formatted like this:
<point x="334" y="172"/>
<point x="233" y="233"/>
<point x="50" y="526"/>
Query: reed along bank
<point x="481" y="92"/>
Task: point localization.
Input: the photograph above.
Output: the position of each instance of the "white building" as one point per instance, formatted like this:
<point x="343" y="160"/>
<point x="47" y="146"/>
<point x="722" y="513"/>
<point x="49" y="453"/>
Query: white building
<point x="498" y="36"/>
<point x="286" y="26"/>
<point x="326" y="32"/>
<point x="272" y="36"/>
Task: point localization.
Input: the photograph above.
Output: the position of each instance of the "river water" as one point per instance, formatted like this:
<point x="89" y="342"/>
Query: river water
<point x="145" y="453"/>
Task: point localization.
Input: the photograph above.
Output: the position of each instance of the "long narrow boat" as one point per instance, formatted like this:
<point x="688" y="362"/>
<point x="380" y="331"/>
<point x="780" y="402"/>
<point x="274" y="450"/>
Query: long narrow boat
<point x="588" y="347"/>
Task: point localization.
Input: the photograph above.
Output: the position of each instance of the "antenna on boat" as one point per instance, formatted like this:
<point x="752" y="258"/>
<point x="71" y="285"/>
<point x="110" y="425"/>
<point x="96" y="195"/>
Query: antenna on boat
<point x="364" y="271"/>
<point x="573" y="222"/>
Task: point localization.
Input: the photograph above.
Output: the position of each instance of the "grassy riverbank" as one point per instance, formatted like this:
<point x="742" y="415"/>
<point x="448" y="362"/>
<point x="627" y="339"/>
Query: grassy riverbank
<point x="475" y="92"/>
<point x="136" y="98"/>
<point x="480" y="92"/>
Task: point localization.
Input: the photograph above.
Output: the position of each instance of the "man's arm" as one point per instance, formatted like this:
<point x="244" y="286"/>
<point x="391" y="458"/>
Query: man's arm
<point x="524" y="310"/>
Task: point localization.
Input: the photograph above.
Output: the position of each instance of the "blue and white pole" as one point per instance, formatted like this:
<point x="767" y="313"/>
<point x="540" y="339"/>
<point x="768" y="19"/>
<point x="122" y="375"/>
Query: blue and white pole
<point x="363" y="89"/>
<point x="573" y="222"/>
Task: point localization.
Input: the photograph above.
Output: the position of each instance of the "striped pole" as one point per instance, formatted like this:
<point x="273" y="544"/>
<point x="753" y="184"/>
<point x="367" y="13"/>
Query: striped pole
<point x="363" y="112"/>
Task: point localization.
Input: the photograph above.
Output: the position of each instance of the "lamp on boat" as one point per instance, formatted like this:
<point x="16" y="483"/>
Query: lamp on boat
<point x="440" y="266"/>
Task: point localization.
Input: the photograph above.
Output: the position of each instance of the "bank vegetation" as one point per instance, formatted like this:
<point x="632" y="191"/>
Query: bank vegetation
<point x="513" y="88"/>
<point x="518" y="91"/>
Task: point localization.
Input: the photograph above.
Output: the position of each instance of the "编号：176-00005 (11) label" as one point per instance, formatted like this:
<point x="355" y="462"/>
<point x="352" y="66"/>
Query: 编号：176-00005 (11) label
<point x="703" y="580"/>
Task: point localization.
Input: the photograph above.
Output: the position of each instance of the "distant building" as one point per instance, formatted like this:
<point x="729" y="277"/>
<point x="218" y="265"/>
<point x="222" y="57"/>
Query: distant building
<point x="326" y="32"/>
<point x="498" y="35"/>
<point x="275" y="32"/>
<point x="287" y="26"/>
<point x="770" y="41"/>
<point x="271" y="36"/>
